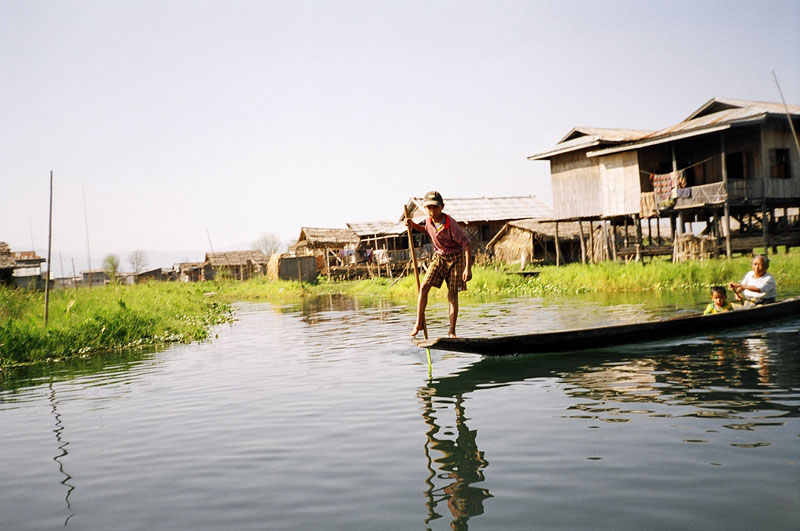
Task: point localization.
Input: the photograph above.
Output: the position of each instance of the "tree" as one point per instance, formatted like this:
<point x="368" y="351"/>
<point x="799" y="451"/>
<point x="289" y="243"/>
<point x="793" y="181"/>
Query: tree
<point x="111" y="266"/>
<point x="138" y="261"/>
<point x="267" y="244"/>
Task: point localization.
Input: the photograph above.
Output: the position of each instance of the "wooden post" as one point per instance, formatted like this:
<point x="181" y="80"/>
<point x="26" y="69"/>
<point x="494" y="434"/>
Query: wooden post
<point x="727" y="204"/>
<point x="558" y="249"/>
<point x="765" y="220"/>
<point x="658" y="232"/>
<point x="613" y="239"/>
<point x="591" y="242"/>
<point x="583" y="244"/>
<point x="300" y="270"/>
<point x="49" y="263"/>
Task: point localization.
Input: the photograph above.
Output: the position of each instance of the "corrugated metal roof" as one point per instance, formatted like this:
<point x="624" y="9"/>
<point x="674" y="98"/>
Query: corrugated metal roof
<point x="586" y="137"/>
<point x="715" y="105"/>
<point x="704" y="124"/>
<point x="382" y="228"/>
<point x="475" y="209"/>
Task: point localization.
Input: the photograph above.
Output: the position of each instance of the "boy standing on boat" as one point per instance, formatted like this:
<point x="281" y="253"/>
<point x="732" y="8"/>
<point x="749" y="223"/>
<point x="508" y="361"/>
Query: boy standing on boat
<point x="451" y="260"/>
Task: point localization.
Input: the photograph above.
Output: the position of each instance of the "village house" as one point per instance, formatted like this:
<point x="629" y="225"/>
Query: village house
<point x="94" y="277"/>
<point x="189" y="271"/>
<point x="27" y="270"/>
<point x="526" y="241"/>
<point x="237" y="265"/>
<point x="729" y="164"/>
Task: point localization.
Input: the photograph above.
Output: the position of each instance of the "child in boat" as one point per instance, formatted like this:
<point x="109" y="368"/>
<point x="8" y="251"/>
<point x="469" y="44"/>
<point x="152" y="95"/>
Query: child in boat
<point x="757" y="286"/>
<point x="719" y="301"/>
<point x="451" y="260"/>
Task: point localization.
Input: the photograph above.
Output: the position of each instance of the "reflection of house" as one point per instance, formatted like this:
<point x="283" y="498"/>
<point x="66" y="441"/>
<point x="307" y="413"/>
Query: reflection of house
<point x="728" y="159"/>
<point x="239" y="265"/>
<point x="483" y="217"/>
<point x="528" y="240"/>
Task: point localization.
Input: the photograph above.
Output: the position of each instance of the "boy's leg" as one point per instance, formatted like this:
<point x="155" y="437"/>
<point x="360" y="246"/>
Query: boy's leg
<point x="422" y="303"/>
<point x="452" y="298"/>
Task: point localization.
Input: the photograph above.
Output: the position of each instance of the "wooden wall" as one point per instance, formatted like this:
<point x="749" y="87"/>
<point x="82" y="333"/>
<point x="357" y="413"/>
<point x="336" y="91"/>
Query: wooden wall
<point x="621" y="191"/>
<point x="576" y="185"/>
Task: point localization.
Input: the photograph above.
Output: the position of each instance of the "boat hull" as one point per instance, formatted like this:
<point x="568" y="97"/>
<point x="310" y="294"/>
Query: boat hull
<point x="580" y="339"/>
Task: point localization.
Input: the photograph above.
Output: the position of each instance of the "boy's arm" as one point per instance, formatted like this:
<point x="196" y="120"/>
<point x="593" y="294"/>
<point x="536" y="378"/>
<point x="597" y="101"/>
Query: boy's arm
<point x="410" y="223"/>
<point x="468" y="267"/>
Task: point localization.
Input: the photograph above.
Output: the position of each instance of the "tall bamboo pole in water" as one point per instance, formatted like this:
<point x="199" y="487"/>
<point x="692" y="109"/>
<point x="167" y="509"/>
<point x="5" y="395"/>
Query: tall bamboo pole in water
<point x="49" y="263"/>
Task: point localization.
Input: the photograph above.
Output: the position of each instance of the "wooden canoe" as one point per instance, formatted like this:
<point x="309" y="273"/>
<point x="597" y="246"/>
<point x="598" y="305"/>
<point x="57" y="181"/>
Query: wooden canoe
<point x="604" y="336"/>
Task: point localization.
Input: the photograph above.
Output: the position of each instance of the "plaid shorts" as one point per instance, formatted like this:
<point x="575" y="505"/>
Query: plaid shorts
<point x="447" y="267"/>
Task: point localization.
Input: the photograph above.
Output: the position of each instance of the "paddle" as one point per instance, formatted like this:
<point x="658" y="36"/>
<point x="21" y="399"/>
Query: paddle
<point x="416" y="274"/>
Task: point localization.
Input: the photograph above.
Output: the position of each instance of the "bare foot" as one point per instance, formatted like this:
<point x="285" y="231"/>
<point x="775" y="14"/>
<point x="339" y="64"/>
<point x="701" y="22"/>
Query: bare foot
<point x="416" y="330"/>
<point x="452" y="335"/>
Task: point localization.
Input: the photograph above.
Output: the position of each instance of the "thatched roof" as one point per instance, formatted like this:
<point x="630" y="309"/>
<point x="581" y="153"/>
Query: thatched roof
<point x="477" y="209"/>
<point x="327" y="237"/>
<point x="6" y="258"/>
<point x="236" y="258"/>
<point x="566" y="230"/>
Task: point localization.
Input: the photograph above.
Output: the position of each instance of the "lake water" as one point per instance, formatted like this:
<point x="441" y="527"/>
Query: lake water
<point x="325" y="416"/>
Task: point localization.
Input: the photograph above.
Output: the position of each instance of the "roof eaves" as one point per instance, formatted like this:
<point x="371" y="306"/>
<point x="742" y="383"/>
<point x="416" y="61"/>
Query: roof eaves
<point x="658" y="140"/>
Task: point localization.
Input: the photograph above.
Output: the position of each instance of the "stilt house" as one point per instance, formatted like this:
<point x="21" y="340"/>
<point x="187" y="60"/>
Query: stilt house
<point x="728" y="159"/>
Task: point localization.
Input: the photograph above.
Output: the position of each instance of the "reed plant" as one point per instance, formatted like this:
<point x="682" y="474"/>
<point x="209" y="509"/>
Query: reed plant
<point x="102" y="318"/>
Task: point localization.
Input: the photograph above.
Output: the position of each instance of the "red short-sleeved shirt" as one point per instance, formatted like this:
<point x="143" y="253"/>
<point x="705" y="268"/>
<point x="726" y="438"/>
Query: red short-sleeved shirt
<point x="449" y="238"/>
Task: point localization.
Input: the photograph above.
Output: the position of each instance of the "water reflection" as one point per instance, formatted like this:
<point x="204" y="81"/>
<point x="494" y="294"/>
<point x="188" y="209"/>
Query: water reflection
<point x="459" y="461"/>
<point x="747" y="383"/>
<point x="62" y="447"/>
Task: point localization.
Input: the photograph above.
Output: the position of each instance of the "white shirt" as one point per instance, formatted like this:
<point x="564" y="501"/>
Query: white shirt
<point x="766" y="283"/>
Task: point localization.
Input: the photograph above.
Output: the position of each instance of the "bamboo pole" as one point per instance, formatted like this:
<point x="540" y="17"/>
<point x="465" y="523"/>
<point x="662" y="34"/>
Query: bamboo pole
<point x="49" y="252"/>
<point x="416" y="272"/>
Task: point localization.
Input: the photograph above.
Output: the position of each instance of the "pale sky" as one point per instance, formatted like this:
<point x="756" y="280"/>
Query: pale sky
<point x="242" y="117"/>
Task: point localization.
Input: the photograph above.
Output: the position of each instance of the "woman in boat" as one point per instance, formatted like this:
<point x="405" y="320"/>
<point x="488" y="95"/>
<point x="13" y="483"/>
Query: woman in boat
<point x="757" y="286"/>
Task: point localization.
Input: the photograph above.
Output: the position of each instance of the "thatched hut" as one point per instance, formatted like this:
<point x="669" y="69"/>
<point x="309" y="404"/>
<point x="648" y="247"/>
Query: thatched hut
<point x="530" y="241"/>
<point x="283" y="266"/>
<point x="7" y="264"/>
<point x="239" y="265"/>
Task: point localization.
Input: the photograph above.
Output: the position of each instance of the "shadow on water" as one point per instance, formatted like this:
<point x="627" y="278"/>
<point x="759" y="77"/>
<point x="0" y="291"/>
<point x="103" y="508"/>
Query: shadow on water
<point x="748" y="377"/>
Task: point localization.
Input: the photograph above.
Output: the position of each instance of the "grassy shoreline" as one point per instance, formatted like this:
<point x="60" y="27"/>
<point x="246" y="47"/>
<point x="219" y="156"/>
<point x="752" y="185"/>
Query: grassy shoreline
<point x="113" y="317"/>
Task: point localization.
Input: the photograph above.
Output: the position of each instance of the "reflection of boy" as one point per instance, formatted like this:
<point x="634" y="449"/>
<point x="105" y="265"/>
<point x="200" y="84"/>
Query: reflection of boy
<point x="719" y="301"/>
<point x="450" y="263"/>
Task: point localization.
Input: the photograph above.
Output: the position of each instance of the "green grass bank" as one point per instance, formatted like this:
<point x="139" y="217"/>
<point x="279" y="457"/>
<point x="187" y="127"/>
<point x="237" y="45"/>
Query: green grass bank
<point x="87" y="320"/>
